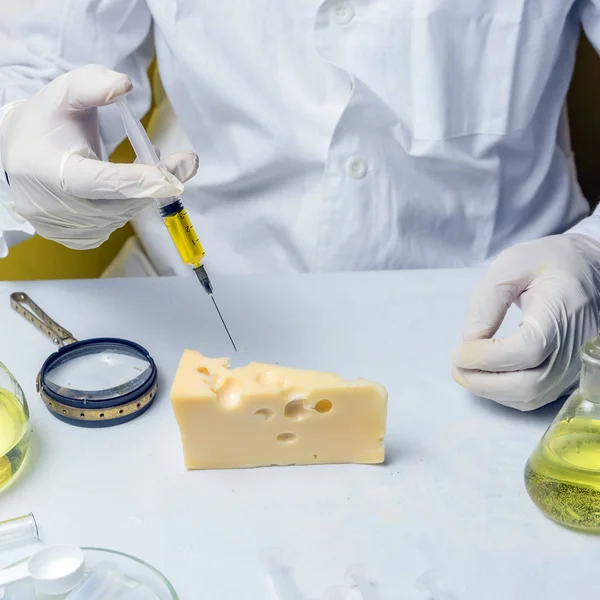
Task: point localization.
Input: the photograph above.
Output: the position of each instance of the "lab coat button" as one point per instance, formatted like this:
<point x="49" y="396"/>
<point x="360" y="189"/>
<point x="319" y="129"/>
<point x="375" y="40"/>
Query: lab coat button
<point x="341" y="12"/>
<point x="356" y="167"/>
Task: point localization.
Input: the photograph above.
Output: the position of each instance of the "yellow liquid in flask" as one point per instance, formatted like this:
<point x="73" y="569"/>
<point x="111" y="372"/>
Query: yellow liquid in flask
<point x="14" y="435"/>
<point x="562" y="475"/>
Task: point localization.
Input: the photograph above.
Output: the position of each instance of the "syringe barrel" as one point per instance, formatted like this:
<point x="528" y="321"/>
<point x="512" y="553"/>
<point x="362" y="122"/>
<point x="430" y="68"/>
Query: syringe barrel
<point x="171" y="210"/>
<point x="182" y="233"/>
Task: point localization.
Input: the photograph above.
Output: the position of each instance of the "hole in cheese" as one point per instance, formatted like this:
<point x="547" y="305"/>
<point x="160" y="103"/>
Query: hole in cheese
<point x="287" y="438"/>
<point x="267" y="377"/>
<point x="295" y="410"/>
<point x="216" y="382"/>
<point x="229" y="394"/>
<point x="203" y="370"/>
<point x="265" y="413"/>
<point x="270" y="378"/>
<point x="323" y="406"/>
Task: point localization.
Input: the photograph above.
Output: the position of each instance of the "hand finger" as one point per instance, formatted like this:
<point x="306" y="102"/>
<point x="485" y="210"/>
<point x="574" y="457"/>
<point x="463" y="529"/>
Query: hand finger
<point x="81" y="242"/>
<point x="184" y="165"/>
<point x="526" y="348"/>
<point x="523" y="390"/>
<point x="95" y="179"/>
<point x="93" y="86"/>
<point x="73" y="234"/>
<point x="491" y="299"/>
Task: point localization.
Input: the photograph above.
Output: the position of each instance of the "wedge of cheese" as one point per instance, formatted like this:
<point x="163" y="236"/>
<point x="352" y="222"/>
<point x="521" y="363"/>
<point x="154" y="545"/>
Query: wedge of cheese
<point x="261" y="414"/>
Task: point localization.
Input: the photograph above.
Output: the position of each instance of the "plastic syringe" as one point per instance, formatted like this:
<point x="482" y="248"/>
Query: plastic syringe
<point x="428" y="582"/>
<point x="358" y="576"/>
<point x="172" y="211"/>
<point x="283" y="581"/>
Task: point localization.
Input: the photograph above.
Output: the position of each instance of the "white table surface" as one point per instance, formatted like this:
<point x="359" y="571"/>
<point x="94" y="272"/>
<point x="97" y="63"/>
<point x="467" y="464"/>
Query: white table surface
<point x="451" y="495"/>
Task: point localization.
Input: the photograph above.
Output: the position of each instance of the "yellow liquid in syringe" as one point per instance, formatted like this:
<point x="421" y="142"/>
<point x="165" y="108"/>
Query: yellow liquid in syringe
<point x="14" y="435"/>
<point x="183" y="235"/>
<point x="562" y="475"/>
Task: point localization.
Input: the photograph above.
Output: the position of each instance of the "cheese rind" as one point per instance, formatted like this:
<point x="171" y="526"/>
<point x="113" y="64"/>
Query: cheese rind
<point x="260" y="415"/>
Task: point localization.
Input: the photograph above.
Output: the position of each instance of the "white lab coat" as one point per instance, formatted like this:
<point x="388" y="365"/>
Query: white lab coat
<point x="345" y="134"/>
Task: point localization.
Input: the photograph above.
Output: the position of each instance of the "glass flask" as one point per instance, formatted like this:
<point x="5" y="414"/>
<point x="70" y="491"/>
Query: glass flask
<point x="14" y="426"/>
<point x="562" y="475"/>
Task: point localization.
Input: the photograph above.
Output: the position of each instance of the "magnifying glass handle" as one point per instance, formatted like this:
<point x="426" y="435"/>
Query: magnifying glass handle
<point x="27" y="308"/>
<point x="14" y="574"/>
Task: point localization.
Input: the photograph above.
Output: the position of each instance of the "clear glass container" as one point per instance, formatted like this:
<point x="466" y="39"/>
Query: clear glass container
<point x="562" y="475"/>
<point x="134" y="568"/>
<point x="14" y="426"/>
<point x="19" y="531"/>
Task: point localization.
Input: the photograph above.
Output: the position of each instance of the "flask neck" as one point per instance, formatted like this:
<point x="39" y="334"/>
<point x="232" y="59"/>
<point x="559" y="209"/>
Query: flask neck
<point x="590" y="371"/>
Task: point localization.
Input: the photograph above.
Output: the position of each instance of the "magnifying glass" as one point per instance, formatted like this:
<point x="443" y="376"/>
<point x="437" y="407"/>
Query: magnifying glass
<point x="98" y="382"/>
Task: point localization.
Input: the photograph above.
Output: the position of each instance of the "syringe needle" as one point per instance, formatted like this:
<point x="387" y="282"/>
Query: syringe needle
<point x="223" y="321"/>
<point x="204" y="279"/>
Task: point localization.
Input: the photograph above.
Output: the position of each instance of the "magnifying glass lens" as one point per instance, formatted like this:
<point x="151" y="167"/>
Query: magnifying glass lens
<point x="98" y="371"/>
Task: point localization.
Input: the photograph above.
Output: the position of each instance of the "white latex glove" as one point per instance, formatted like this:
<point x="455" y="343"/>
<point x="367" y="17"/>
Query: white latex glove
<point x="50" y="147"/>
<point x="555" y="281"/>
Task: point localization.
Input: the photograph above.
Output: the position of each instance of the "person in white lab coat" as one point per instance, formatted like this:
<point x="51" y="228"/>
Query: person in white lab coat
<point x="331" y="135"/>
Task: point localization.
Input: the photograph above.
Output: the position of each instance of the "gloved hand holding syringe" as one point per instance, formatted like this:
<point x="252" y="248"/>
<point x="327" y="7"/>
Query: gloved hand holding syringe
<point x="51" y="152"/>
<point x="172" y="211"/>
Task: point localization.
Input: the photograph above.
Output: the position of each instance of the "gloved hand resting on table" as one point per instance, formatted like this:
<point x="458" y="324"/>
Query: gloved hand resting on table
<point x="50" y="147"/>
<point x="555" y="281"/>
